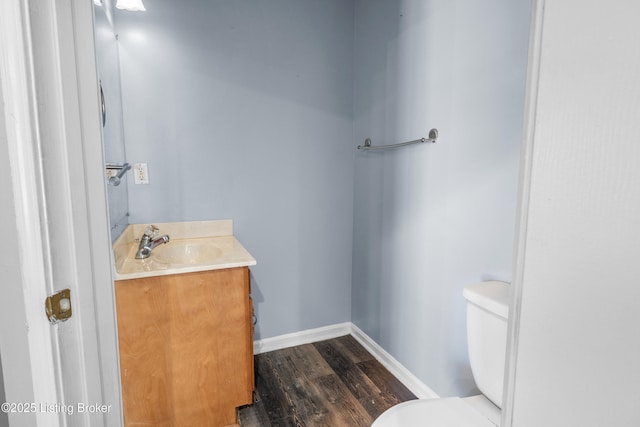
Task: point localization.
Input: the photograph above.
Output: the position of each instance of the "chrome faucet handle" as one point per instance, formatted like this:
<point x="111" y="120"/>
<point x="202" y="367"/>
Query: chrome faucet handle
<point x="152" y="231"/>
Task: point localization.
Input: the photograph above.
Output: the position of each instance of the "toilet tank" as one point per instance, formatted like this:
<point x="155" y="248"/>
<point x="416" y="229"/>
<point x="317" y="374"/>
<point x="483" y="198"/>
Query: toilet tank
<point x="487" y="312"/>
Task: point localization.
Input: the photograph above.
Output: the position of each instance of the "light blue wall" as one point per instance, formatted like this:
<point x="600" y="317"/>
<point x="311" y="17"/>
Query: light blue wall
<point x="252" y="110"/>
<point x="429" y="220"/>
<point x="113" y="135"/>
<point x="243" y="110"/>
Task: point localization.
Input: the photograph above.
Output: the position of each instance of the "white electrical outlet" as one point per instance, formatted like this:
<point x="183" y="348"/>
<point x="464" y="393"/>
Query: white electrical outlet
<point x="140" y="173"/>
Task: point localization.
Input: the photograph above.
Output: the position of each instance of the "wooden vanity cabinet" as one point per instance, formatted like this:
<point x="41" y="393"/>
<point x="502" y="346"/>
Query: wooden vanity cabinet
<point x="186" y="348"/>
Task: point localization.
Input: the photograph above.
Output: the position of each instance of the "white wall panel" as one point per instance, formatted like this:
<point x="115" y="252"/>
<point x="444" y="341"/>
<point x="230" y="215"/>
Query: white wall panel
<point x="578" y="348"/>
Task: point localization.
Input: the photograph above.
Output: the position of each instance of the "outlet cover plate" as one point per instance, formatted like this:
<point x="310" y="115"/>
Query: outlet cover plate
<point x="141" y="173"/>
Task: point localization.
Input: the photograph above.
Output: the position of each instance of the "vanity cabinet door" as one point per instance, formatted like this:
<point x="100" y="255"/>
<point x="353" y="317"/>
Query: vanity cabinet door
<point x="186" y="348"/>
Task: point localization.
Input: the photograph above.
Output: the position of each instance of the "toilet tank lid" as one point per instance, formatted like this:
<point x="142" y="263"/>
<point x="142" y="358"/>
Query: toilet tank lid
<point x="492" y="296"/>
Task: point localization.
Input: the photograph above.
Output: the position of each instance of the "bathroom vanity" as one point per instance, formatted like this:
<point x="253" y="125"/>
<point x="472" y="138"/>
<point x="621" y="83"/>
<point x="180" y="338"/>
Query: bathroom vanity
<point x="185" y="327"/>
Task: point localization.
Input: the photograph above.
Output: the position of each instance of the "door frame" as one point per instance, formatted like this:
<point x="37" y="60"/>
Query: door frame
<point x="522" y="216"/>
<point x="20" y="223"/>
<point x="61" y="75"/>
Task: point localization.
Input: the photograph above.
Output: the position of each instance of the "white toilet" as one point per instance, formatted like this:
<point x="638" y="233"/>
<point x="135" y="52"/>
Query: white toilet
<point x="487" y="311"/>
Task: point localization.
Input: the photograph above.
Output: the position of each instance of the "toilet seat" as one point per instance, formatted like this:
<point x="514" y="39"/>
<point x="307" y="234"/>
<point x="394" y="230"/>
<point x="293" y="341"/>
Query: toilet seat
<point x="447" y="412"/>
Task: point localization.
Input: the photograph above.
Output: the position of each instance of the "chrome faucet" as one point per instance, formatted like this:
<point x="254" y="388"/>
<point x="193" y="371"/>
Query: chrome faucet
<point x="149" y="241"/>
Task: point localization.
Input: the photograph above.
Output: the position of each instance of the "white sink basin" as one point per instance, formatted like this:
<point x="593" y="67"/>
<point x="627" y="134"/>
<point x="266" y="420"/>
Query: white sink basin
<point x="186" y="252"/>
<point x="190" y="250"/>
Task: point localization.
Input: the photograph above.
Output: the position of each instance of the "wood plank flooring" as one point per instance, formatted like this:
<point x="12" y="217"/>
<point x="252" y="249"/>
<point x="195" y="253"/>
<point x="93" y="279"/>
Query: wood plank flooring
<point x="332" y="383"/>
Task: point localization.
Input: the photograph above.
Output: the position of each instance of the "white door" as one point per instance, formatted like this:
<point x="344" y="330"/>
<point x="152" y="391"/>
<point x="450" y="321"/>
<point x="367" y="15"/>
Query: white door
<point x="575" y="320"/>
<point x="53" y="220"/>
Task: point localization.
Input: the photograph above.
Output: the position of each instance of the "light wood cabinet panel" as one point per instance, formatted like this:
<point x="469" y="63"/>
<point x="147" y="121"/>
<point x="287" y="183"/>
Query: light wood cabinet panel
<point x="186" y="348"/>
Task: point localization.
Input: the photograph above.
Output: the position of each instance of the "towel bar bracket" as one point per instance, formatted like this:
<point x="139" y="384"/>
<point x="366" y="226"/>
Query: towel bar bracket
<point x="122" y="169"/>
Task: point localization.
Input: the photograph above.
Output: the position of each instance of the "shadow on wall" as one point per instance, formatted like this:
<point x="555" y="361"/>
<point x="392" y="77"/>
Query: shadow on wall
<point x="257" y="298"/>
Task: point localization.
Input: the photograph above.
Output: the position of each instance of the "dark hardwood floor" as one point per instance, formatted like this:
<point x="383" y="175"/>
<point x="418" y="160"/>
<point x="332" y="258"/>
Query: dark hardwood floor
<point x="332" y="383"/>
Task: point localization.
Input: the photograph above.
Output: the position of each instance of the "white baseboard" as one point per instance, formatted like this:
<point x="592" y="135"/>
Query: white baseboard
<point x="302" y="337"/>
<point x="410" y="381"/>
<point x="417" y="387"/>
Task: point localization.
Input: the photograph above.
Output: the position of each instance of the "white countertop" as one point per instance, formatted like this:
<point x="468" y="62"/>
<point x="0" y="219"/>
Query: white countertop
<point x="218" y="249"/>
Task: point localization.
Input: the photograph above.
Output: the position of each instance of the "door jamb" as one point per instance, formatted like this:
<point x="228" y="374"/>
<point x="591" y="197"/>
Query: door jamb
<point x="19" y="111"/>
<point x="524" y="191"/>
